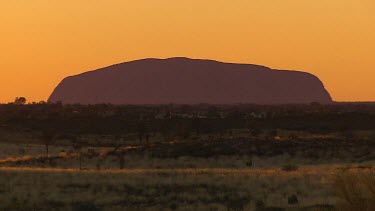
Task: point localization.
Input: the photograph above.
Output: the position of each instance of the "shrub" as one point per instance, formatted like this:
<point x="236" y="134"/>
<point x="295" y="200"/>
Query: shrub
<point x="85" y="206"/>
<point x="64" y="155"/>
<point x="259" y="204"/>
<point x="292" y="199"/>
<point x="104" y="152"/>
<point x="289" y="167"/>
<point x="173" y="206"/>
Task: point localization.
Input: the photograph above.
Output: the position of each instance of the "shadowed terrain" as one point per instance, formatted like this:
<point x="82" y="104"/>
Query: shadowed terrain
<point x="187" y="157"/>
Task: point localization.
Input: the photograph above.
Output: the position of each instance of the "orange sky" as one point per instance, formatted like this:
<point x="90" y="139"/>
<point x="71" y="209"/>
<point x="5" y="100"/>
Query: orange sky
<point x="43" y="41"/>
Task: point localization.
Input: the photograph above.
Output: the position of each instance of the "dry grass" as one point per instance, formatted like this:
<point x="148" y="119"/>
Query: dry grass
<point x="356" y="191"/>
<point x="34" y="182"/>
<point x="33" y="155"/>
<point x="150" y="189"/>
<point x="181" y="189"/>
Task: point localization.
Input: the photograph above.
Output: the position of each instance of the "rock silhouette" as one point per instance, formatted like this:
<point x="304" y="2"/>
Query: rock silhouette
<point x="189" y="81"/>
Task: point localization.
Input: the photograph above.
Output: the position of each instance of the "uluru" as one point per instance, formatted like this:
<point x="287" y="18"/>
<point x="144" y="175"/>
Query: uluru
<point x="189" y="81"/>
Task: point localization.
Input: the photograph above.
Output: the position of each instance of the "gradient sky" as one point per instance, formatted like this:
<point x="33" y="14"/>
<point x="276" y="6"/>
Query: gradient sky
<point x="43" y="41"/>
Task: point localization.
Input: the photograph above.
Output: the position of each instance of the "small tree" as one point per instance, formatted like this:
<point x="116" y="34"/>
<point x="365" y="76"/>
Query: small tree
<point x="255" y="132"/>
<point x="78" y="148"/>
<point x="196" y="125"/>
<point x="272" y="133"/>
<point x="164" y="130"/>
<point x="121" y="155"/>
<point x="348" y="134"/>
<point x="142" y="130"/>
<point x="20" y="101"/>
<point x="147" y="138"/>
<point x="48" y="137"/>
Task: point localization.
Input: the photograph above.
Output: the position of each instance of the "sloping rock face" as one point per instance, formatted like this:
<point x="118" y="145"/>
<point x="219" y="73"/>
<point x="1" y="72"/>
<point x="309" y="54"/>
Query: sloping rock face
<point x="189" y="81"/>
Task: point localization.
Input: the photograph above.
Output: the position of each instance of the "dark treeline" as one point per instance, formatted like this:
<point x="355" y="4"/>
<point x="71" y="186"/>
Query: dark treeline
<point x="185" y="119"/>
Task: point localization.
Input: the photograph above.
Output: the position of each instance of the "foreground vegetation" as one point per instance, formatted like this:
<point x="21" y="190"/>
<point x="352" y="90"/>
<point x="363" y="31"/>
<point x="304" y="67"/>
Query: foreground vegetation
<point x="310" y="188"/>
<point x="188" y="189"/>
<point x="99" y="179"/>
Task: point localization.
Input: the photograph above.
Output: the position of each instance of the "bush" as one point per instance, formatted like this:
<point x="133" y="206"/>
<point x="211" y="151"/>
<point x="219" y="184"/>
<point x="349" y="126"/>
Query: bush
<point x="289" y="167"/>
<point x="173" y="206"/>
<point x="104" y="152"/>
<point x="292" y="199"/>
<point x="85" y="206"/>
<point x="259" y="204"/>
